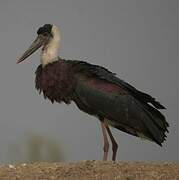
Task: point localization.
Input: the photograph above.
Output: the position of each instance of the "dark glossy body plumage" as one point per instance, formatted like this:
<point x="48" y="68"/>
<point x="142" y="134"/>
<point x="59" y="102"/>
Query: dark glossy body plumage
<point x="97" y="91"/>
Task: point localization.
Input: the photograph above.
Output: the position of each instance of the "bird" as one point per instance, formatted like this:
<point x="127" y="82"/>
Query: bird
<point x="96" y="91"/>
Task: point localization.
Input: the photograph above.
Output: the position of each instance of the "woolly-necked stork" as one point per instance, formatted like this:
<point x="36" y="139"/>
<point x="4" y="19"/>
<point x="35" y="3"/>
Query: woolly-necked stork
<point x="96" y="91"/>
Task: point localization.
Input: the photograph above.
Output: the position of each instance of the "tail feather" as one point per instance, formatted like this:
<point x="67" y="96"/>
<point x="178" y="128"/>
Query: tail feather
<point x="146" y="98"/>
<point x="157" y="104"/>
<point x="156" y="134"/>
<point x="155" y="123"/>
<point x="143" y="120"/>
<point x="158" y="117"/>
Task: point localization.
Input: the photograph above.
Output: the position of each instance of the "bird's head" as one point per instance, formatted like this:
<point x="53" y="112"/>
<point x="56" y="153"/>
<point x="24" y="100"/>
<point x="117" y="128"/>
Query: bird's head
<point x="48" y="37"/>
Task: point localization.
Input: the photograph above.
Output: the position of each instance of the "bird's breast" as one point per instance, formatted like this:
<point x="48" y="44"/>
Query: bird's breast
<point x="56" y="81"/>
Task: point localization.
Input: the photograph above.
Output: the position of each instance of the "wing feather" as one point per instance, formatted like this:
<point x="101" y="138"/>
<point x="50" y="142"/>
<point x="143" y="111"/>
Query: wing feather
<point x="101" y="93"/>
<point x="103" y="73"/>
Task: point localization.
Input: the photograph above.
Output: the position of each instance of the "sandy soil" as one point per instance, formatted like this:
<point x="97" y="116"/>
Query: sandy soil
<point x="89" y="170"/>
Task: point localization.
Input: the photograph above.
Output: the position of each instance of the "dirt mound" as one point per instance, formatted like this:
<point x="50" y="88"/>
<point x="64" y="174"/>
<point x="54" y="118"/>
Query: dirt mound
<point x="91" y="170"/>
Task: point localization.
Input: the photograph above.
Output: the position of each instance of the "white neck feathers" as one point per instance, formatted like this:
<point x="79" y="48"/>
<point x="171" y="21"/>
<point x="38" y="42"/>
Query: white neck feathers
<point x="50" y="50"/>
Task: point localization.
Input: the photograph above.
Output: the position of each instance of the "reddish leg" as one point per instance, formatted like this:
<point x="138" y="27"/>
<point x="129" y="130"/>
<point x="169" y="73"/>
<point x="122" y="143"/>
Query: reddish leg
<point x="106" y="143"/>
<point x="114" y="144"/>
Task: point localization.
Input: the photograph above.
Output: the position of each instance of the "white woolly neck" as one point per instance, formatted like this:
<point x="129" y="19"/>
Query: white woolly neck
<point x="50" y="51"/>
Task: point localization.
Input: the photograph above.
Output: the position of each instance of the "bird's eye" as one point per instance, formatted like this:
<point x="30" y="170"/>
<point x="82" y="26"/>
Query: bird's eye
<point x="45" y="34"/>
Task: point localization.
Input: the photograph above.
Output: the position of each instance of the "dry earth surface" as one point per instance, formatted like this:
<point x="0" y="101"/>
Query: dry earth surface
<point x="89" y="170"/>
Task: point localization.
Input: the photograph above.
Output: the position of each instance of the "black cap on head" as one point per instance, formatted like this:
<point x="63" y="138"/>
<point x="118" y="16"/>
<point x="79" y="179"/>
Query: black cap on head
<point x="47" y="28"/>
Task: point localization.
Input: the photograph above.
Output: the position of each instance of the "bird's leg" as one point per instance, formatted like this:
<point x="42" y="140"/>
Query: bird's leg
<point x="114" y="144"/>
<point x="106" y="143"/>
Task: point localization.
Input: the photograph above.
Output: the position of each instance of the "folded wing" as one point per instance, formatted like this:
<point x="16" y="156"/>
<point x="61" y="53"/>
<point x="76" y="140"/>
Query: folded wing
<point x="101" y="93"/>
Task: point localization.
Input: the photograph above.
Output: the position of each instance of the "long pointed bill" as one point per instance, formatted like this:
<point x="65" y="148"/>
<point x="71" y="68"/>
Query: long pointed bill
<point x="39" y="41"/>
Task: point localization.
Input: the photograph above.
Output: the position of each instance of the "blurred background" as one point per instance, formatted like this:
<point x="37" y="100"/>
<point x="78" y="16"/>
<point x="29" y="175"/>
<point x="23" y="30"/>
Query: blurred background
<point x="137" y="39"/>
